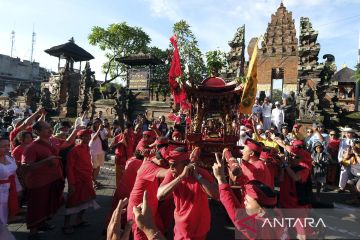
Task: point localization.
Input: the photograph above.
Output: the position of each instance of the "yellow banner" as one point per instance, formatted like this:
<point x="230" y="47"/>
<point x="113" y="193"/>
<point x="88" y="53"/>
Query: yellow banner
<point x="250" y="88"/>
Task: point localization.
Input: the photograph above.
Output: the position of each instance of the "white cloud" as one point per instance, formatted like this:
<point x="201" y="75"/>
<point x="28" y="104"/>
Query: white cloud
<point x="165" y="8"/>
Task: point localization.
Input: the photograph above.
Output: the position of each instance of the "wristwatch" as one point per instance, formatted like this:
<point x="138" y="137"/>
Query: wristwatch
<point x="198" y="177"/>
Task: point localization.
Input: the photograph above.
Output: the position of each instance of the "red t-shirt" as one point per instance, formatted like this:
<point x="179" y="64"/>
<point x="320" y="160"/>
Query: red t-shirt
<point x="142" y="145"/>
<point x="145" y="180"/>
<point x="256" y="170"/>
<point x="192" y="214"/>
<point x="122" y="153"/>
<point x="238" y="216"/>
<point x="128" y="178"/>
<point x="79" y="174"/>
<point x="36" y="151"/>
<point x="288" y="196"/>
<point x="333" y="148"/>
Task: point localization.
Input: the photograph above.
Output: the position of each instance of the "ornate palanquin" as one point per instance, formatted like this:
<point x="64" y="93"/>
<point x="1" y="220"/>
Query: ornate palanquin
<point x="215" y="104"/>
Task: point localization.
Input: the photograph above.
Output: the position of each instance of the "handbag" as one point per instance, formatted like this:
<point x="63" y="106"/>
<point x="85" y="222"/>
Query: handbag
<point x="104" y="144"/>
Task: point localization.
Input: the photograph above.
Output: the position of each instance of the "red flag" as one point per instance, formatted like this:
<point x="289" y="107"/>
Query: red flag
<point x="175" y="73"/>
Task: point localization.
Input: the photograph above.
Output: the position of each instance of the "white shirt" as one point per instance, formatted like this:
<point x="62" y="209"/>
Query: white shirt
<point x="5" y="172"/>
<point x="80" y="122"/>
<point x="96" y="146"/>
<point x="266" y="109"/>
<point x="344" y="144"/>
<point x="277" y="115"/>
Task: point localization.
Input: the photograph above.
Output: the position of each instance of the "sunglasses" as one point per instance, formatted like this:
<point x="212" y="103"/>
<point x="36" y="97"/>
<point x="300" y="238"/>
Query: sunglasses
<point x="332" y="134"/>
<point x="309" y="131"/>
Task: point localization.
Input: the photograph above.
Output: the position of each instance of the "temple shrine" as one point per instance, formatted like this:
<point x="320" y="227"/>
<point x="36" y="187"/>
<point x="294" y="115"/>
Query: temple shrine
<point x="215" y="105"/>
<point x="64" y="87"/>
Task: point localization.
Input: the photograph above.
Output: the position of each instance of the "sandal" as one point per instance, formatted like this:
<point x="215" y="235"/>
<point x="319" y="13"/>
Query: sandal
<point x="68" y="230"/>
<point x="82" y="224"/>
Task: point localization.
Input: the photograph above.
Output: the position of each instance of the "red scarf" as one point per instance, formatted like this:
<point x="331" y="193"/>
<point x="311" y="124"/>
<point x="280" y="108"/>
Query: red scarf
<point x="13" y="200"/>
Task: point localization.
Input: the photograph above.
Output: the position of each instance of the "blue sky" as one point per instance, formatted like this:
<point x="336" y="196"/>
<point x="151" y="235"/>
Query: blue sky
<point x="213" y="22"/>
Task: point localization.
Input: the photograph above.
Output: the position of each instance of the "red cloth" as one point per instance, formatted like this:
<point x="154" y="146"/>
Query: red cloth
<point x="45" y="184"/>
<point x="126" y="184"/>
<point x="83" y="132"/>
<point x="145" y="180"/>
<point x="44" y="202"/>
<point x="192" y="214"/>
<point x="13" y="204"/>
<point x="57" y="142"/>
<point x="17" y="153"/>
<point x="252" y="145"/>
<point x="79" y="174"/>
<point x="288" y="196"/>
<point x="123" y="152"/>
<point x="13" y="135"/>
<point x="231" y="204"/>
<point x="176" y="90"/>
<point x="142" y="145"/>
<point x="256" y="170"/>
<point x="36" y="151"/>
<point x="333" y="148"/>
<point x="257" y="194"/>
<point x="175" y="156"/>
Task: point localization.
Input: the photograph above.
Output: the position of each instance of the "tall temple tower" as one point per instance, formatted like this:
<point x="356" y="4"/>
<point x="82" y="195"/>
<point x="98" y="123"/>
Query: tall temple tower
<point x="236" y="57"/>
<point x="278" y="57"/>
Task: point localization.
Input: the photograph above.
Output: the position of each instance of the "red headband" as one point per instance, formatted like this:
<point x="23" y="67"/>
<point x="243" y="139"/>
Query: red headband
<point x="253" y="145"/>
<point x="258" y="194"/>
<point x="175" y="156"/>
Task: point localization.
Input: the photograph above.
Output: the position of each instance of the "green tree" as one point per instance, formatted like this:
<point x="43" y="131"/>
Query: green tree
<point x="215" y="61"/>
<point x="159" y="80"/>
<point x="190" y="53"/>
<point x="118" y="40"/>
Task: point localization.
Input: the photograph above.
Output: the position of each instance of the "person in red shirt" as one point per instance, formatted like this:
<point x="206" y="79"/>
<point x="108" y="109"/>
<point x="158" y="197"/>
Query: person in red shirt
<point x="259" y="202"/>
<point x="252" y="168"/>
<point x="43" y="178"/>
<point x="144" y="144"/>
<point x="25" y="138"/>
<point x="296" y="185"/>
<point x="146" y="180"/>
<point x="190" y="187"/>
<point x="21" y="126"/>
<point x="127" y="181"/>
<point x="333" y="149"/>
<point x="124" y="144"/>
<point x="81" y="193"/>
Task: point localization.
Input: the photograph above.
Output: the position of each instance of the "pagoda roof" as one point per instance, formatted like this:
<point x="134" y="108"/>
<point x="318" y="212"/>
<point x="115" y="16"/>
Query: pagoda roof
<point x="345" y="75"/>
<point x="140" y="59"/>
<point x="70" y="50"/>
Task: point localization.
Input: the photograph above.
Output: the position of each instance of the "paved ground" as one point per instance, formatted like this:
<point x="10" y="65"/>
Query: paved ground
<point x="221" y="226"/>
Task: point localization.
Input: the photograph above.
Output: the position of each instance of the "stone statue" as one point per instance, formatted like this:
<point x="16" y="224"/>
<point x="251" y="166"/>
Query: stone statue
<point x="88" y="83"/>
<point x="45" y="99"/>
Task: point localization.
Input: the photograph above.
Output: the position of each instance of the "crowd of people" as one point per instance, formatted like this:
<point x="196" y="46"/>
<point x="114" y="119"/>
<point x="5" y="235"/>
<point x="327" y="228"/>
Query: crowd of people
<point x="161" y="190"/>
